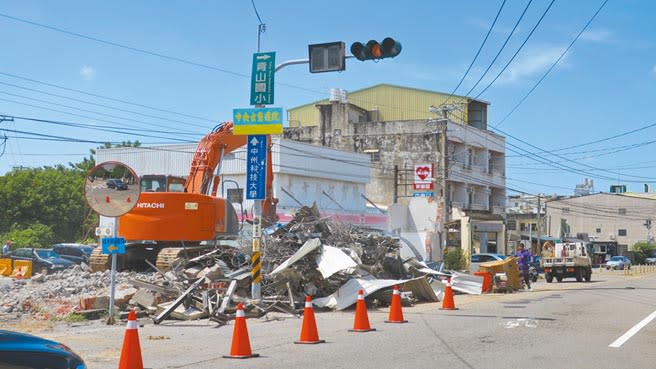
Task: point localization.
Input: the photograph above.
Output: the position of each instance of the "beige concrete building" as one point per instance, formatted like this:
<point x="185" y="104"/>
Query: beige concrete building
<point x="604" y="217"/>
<point x="394" y="126"/>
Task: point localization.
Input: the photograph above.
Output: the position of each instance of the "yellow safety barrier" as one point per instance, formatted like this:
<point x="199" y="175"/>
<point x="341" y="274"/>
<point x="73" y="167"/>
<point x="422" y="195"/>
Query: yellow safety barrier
<point x="5" y="267"/>
<point x="22" y="269"/>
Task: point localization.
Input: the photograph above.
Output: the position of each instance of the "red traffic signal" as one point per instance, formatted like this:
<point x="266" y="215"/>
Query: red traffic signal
<point x="373" y="50"/>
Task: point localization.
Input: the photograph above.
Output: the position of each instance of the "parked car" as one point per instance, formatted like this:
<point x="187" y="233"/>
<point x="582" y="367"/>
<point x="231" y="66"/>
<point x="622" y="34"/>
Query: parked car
<point x="618" y="262"/>
<point x="651" y="260"/>
<point x="116" y="184"/>
<point x="75" y="252"/>
<point x="24" y="351"/>
<point x="44" y="261"/>
<point x="477" y="259"/>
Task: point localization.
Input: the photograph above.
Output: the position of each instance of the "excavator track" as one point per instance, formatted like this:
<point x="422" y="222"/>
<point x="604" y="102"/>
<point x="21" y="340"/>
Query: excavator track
<point x="168" y="257"/>
<point x="98" y="261"/>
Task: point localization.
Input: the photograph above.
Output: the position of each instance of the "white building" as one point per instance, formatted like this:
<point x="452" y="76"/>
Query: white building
<point x="303" y="174"/>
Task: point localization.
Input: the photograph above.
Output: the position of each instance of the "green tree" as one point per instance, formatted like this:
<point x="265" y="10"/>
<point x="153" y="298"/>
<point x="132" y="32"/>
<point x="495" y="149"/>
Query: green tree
<point x="35" y="235"/>
<point x="49" y="196"/>
<point x="643" y="250"/>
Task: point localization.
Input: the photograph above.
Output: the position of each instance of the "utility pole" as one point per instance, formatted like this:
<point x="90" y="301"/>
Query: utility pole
<point x="440" y="196"/>
<point x="539" y="248"/>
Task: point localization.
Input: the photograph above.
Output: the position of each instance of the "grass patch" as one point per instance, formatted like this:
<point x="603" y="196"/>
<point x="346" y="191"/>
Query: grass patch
<point x="74" y="318"/>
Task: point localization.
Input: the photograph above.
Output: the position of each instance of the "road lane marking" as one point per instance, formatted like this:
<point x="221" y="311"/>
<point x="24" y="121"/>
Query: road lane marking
<point x="636" y="328"/>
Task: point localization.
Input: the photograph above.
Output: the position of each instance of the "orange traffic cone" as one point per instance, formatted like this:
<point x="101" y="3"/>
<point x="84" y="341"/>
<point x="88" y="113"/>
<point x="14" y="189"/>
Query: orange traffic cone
<point x="361" y="323"/>
<point x="19" y="273"/>
<point x="447" y="302"/>
<point x="309" y="333"/>
<point x="131" y="352"/>
<point x="241" y="345"/>
<point x="396" y="314"/>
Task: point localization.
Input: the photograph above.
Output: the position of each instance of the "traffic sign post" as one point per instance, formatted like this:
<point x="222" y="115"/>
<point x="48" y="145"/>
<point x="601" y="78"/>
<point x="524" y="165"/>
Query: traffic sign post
<point x="264" y="65"/>
<point x="256" y="167"/>
<point x="114" y="205"/>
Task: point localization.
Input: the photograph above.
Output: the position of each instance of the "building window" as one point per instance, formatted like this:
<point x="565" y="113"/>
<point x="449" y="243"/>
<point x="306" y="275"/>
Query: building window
<point x="374" y="154"/>
<point x="598" y="230"/>
<point x="565" y="210"/>
<point x="622" y="211"/>
<point x="621" y="232"/>
<point x="470" y="158"/>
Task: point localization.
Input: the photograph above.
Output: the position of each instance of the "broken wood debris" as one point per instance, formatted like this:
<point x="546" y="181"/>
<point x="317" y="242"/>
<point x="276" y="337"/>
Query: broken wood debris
<point x="310" y="255"/>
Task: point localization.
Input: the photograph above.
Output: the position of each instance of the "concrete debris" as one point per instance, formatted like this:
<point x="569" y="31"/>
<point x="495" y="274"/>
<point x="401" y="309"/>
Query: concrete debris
<point x="310" y="255"/>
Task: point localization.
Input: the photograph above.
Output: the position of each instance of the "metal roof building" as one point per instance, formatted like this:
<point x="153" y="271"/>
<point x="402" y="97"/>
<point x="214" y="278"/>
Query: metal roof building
<point x="303" y="173"/>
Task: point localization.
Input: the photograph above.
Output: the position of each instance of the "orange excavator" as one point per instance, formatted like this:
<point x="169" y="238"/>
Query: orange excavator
<point x="164" y="226"/>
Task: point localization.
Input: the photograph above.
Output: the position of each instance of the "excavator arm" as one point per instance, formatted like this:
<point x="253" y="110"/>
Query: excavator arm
<point x="210" y="153"/>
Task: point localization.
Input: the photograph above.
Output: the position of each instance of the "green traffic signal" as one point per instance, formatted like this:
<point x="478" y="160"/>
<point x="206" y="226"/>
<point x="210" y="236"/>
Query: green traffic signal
<point x="373" y="50"/>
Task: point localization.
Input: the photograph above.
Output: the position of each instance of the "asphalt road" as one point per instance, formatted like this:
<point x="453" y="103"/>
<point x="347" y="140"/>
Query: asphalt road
<point x="559" y="325"/>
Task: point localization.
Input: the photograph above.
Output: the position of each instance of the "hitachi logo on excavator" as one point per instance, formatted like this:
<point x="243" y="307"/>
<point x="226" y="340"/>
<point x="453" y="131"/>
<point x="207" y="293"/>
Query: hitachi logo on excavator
<point x="150" y="205"/>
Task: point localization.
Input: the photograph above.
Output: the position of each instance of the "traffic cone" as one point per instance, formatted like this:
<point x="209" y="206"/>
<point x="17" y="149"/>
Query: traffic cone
<point x="447" y="302"/>
<point x="309" y="333"/>
<point x="396" y="313"/>
<point x="361" y="323"/>
<point x="131" y="352"/>
<point x="19" y="273"/>
<point x="241" y="345"/>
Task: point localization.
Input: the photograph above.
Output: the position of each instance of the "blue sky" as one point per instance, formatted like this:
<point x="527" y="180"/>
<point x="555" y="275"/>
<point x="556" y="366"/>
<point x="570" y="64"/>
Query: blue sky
<point x="604" y="86"/>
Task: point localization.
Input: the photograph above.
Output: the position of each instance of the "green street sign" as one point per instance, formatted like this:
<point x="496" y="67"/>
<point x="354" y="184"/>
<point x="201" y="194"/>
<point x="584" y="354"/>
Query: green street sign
<point x="264" y="65"/>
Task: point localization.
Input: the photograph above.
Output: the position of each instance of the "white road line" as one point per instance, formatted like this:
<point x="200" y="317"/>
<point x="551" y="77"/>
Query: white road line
<point x="636" y="328"/>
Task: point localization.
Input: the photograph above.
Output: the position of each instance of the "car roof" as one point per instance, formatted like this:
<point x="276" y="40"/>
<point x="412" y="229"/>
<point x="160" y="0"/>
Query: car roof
<point x="16" y="341"/>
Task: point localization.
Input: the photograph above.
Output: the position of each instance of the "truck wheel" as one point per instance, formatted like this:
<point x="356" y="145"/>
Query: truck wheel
<point x="548" y="277"/>
<point x="588" y="275"/>
<point x="559" y="278"/>
<point x="579" y="275"/>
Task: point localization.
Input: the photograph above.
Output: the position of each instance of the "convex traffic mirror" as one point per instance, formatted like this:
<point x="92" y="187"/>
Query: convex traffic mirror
<point x="111" y="189"/>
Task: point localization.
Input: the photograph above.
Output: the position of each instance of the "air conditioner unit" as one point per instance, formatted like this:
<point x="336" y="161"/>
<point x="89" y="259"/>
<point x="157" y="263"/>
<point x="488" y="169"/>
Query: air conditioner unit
<point x="611" y="236"/>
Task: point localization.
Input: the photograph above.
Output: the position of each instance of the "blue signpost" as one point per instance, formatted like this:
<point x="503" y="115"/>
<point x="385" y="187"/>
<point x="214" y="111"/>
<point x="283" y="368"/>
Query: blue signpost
<point x="256" y="167"/>
<point x="113" y="245"/>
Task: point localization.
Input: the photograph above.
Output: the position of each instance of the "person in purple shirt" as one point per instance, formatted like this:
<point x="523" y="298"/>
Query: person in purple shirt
<point x="524" y="258"/>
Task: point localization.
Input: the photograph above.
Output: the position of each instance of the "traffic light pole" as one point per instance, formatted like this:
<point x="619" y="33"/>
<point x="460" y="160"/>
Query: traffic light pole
<point x="300" y="61"/>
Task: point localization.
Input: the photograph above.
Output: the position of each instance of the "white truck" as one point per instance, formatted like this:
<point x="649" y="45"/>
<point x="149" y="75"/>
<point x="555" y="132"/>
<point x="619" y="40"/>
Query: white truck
<point x="568" y="260"/>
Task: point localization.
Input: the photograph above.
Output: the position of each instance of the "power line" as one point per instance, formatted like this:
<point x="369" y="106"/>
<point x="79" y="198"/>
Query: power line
<point x="149" y="124"/>
<point x="92" y="127"/>
<point x="500" y="49"/>
<point x="553" y="65"/>
<point x="105" y="97"/>
<point x="480" y="48"/>
<point x="518" y="50"/>
<point x="100" y="105"/>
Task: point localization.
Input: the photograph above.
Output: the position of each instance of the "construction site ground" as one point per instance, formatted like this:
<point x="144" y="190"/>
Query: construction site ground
<point x="566" y="324"/>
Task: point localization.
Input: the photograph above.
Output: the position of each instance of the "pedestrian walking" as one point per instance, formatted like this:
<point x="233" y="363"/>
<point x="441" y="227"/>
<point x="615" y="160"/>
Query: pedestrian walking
<point x="524" y="259"/>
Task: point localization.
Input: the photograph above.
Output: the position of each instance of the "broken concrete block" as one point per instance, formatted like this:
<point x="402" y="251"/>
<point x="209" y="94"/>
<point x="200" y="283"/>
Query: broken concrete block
<point x="192" y="273"/>
<point x="212" y="273"/>
<point x="145" y="298"/>
<point x="94" y="302"/>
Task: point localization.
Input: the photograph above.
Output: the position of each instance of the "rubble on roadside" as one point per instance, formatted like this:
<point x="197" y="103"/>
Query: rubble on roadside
<point x="310" y="255"/>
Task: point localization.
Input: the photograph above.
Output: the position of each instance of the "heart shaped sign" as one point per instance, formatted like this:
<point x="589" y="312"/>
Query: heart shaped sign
<point x="422" y="172"/>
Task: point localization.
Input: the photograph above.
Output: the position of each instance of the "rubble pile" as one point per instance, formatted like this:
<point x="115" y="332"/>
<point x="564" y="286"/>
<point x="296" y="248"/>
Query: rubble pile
<point x="59" y="294"/>
<point x="370" y="253"/>
<point x="310" y="255"/>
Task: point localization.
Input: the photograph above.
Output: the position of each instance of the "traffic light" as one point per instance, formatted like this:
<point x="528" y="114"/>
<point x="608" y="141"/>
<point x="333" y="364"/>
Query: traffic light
<point x="373" y="50"/>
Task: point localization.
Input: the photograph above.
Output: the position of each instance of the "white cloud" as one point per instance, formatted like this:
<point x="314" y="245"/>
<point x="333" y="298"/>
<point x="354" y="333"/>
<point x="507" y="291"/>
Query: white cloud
<point x="88" y="72"/>
<point x="532" y="62"/>
<point x="598" y="35"/>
